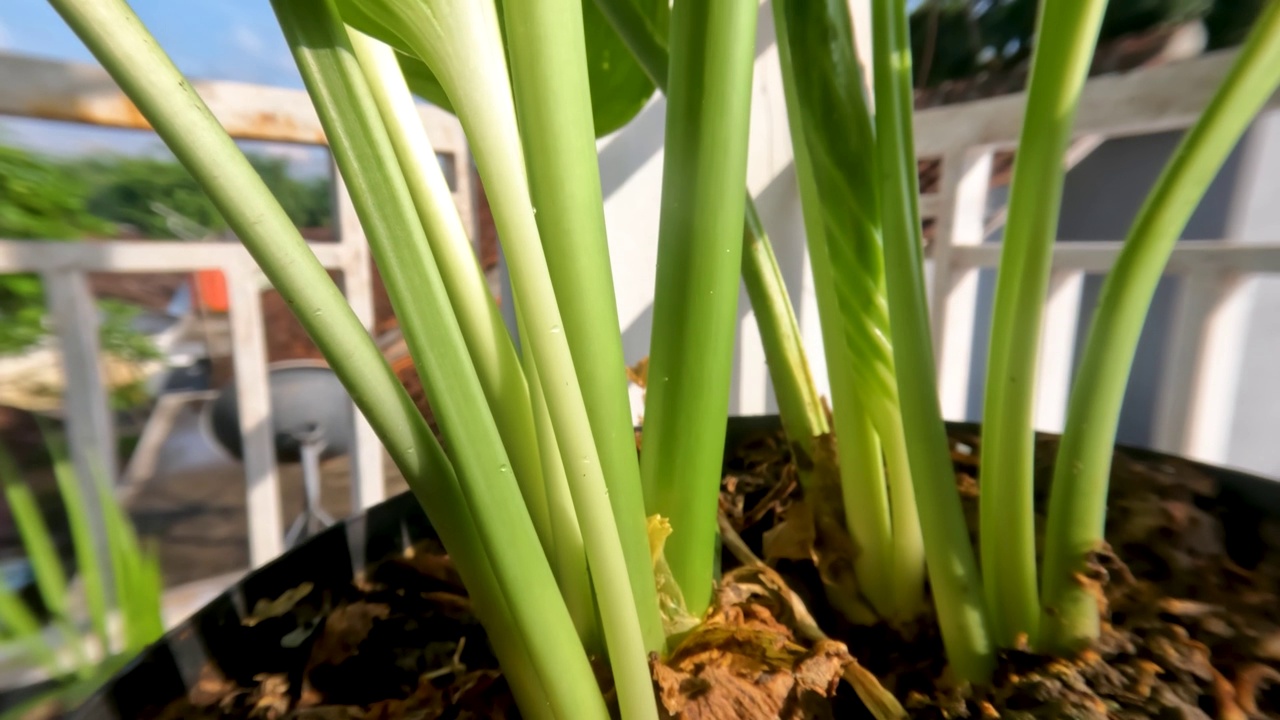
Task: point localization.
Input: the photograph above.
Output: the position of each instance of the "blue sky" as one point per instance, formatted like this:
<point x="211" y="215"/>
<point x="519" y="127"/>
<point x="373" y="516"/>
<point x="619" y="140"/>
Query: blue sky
<point x="225" y="39"/>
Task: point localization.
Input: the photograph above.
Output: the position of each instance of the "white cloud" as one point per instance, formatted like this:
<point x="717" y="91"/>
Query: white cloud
<point x="244" y="38"/>
<point x="6" y="39"/>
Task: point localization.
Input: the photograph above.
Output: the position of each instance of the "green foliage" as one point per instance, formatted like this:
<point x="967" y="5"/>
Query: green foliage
<point x="39" y="200"/>
<point x="619" y="85"/>
<point x="136" y="570"/>
<point x="46" y="199"/>
<point x="138" y="191"/>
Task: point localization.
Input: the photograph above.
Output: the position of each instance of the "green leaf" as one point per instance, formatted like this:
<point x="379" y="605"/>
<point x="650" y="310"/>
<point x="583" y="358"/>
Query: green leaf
<point x="36" y="538"/>
<point x="20" y="626"/>
<point x="619" y="86"/>
<point x="422" y="81"/>
<point x="82" y="538"/>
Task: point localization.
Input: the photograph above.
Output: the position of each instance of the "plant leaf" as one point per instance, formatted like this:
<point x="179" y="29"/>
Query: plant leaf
<point x="36" y="538"/>
<point x="619" y="86"/>
<point x="82" y="538"/>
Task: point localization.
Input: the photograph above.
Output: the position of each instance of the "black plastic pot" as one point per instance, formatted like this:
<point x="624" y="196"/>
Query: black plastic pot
<point x="165" y="671"/>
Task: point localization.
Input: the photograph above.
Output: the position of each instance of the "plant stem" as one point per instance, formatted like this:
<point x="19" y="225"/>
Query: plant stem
<point x="953" y="573"/>
<point x="461" y="43"/>
<point x="131" y="55"/>
<point x="833" y="124"/>
<point x="553" y="105"/>
<point x="363" y="152"/>
<point x="696" y="295"/>
<point x="1078" y="500"/>
<point x="570" y="559"/>
<point x="865" y="493"/>
<point x="489" y="345"/>
<point x="1066" y="33"/>
<point x="799" y="404"/>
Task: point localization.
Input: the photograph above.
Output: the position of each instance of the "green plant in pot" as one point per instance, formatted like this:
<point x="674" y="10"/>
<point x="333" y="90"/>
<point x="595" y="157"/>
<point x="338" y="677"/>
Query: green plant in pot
<point x="535" y="486"/>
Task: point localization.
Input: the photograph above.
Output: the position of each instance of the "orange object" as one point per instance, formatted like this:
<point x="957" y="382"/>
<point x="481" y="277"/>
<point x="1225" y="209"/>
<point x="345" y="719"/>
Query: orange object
<point x="210" y="290"/>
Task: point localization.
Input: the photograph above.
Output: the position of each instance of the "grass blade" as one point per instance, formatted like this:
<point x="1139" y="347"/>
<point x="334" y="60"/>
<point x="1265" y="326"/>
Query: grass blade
<point x="953" y="572"/>
<point x="18" y="624"/>
<point x="138" y="582"/>
<point x="1078" y="500"/>
<point x="37" y="541"/>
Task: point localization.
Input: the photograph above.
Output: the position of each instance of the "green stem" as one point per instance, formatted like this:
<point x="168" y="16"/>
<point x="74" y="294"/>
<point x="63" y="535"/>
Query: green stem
<point x="363" y="152"/>
<point x="461" y="43"/>
<point x="1078" y="500"/>
<point x="570" y="559"/>
<point x="133" y="58"/>
<point x="799" y="403"/>
<point x="553" y="104"/>
<point x="696" y="295"/>
<point x="862" y="473"/>
<point x="953" y="573"/>
<point x="488" y="343"/>
<point x="865" y="493"/>
<point x="831" y="112"/>
<point x="1067" y="31"/>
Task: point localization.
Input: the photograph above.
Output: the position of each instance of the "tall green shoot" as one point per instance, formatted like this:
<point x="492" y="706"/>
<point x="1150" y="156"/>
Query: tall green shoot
<point x="1078" y="499"/>
<point x="799" y="405"/>
<point x="952" y="569"/>
<point x="695" y="300"/>
<point x="553" y="105"/>
<point x="1066" y="33"/>
<point x="462" y="45"/>
<point x="832" y="131"/>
